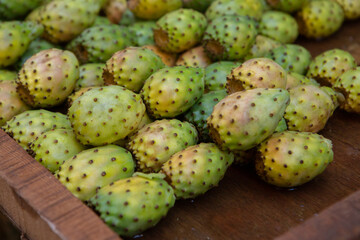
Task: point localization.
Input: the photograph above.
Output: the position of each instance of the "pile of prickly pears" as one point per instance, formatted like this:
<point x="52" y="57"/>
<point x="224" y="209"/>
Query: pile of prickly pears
<point x="134" y="104"/>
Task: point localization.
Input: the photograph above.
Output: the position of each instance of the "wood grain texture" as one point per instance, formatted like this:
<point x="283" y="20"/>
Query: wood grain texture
<point x="38" y="204"/>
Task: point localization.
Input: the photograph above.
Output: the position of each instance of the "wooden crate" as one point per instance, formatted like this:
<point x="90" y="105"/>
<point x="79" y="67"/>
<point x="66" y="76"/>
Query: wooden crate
<point x="242" y="207"/>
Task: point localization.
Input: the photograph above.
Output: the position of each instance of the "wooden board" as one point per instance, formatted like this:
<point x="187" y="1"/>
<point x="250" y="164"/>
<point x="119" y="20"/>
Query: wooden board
<point x="242" y="207"/>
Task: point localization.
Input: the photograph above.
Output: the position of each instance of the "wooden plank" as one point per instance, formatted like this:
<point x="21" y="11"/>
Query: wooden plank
<point x="38" y="204"/>
<point x="340" y="221"/>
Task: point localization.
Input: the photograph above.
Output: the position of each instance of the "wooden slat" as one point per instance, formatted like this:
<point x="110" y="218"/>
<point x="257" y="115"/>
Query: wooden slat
<point x="38" y="204"/>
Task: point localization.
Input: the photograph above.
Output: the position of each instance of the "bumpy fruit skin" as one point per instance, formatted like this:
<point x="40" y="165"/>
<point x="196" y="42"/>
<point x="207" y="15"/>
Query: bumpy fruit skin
<point x="201" y="110"/>
<point x="172" y="91"/>
<point x="64" y="20"/>
<point x="154" y="144"/>
<point x="320" y="18"/>
<point x="198" y="5"/>
<point x="104" y="115"/>
<point x="351" y="8"/>
<point x="195" y="57"/>
<point x="10" y="102"/>
<point x="289" y="6"/>
<point x="244" y="119"/>
<point x="229" y="37"/>
<point x="349" y="85"/>
<point x="71" y="98"/>
<point x="290" y="159"/>
<point x="114" y="10"/>
<point x="196" y="169"/>
<point x="261" y="47"/>
<point x="99" y="21"/>
<point x="249" y="8"/>
<point x="179" y="30"/>
<point x="91" y="169"/>
<point x="15" y="9"/>
<point x="256" y="73"/>
<point x="335" y="96"/>
<point x="153" y="9"/>
<point x="127" y="18"/>
<point x="142" y="33"/>
<point x="296" y="79"/>
<point x="309" y="109"/>
<point x="15" y="39"/>
<point x="6" y="75"/>
<point x="132" y="205"/>
<point x="131" y="67"/>
<point x="168" y="58"/>
<point x="48" y="78"/>
<point x="26" y="126"/>
<point x="216" y="73"/>
<point x="97" y="44"/>
<point x="329" y="65"/>
<point x="279" y="26"/>
<point x="53" y="147"/>
<point x="90" y="76"/>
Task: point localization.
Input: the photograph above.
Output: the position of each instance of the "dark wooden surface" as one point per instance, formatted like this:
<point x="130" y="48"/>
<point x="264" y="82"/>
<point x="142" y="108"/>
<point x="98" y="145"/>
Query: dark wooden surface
<point x="242" y="207"/>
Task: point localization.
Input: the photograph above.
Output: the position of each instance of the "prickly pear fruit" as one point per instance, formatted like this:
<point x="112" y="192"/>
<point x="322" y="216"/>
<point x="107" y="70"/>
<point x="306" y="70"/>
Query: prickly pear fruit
<point x="279" y="26"/>
<point x="179" y="30"/>
<point x="261" y="47"/>
<point x="229" y="37"/>
<point x="201" y="110"/>
<point x="48" y="78"/>
<point x="309" y="109"/>
<point x="10" y="102"/>
<point x="351" y="8"/>
<point x="15" y="9"/>
<point x="26" y="126"/>
<point x="329" y="65"/>
<point x="97" y="125"/>
<point x="142" y="33"/>
<point x="153" y="9"/>
<point x="196" y="169"/>
<point x="131" y="67"/>
<point x="282" y="126"/>
<point x="244" y="119"/>
<point x="216" y="73"/>
<point x="256" y="73"/>
<point x="172" y="91"/>
<point x="6" y="75"/>
<point x="335" y="96"/>
<point x="349" y="85"/>
<point x="55" y="146"/>
<point x="114" y="10"/>
<point x="91" y="169"/>
<point x="168" y="58"/>
<point x="15" y="39"/>
<point x="100" y="20"/>
<point x="198" y="5"/>
<point x="154" y="144"/>
<point x="289" y="6"/>
<point x="320" y="18"/>
<point x="195" y="57"/>
<point x="290" y="159"/>
<point x="127" y="18"/>
<point x="71" y="98"/>
<point x="90" y="76"/>
<point x="295" y="79"/>
<point x="132" y="205"/>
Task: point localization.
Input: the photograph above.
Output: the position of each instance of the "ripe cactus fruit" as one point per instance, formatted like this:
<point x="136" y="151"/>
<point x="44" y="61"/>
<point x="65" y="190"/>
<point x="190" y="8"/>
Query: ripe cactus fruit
<point x="64" y="20"/>
<point x="351" y="8"/>
<point x="179" y="30"/>
<point x="6" y="75"/>
<point x="216" y="73"/>
<point x="198" y="5"/>
<point x="127" y="18"/>
<point x="99" y="21"/>
<point x="104" y="115"/>
<point x="282" y="126"/>
<point x="290" y="159"/>
<point x="320" y="19"/>
<point x="26" y="126"/>
<point x="244" y="119"/>
<point x="349" y="85"/>
<point x="142" y="33"/>
<point x="71" y="98"/>
<point x="309" y="109"/>
<point x="168" y="58"/>
<point x="90" y="76"/>
<point x="48" y="78"/>
<point x="249" y="8"/>
<point x="15" y="9"/>
<point x="229" y="37"/>
<point x="114" y="10"/>
<point x="132" y="205"/>
<point x="261" y="47"/>
<point x="15" y="39"/>
<point x="172" y="91"/>
<point x="292" y="57"/>
<point x="55" y="146"/>
<point x="91" y="169"/>
<point x="289" y="6"/>
<point x="154" y="144"/>
<point x="295" y="79"/>
<point x="131" y="67"/>
<point x="201" y="110"/>
<point x="279" y="26"/>
<point x="195" y="57"/>
<point x="153" y="9"/>
<point x="196" y="169"/>
<point x="256" y="73"/>
<point x="10" y="102"/>
<point x="90" y="46"/>
<point x="329" y="65"/>
<point x="335" y="96"/>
